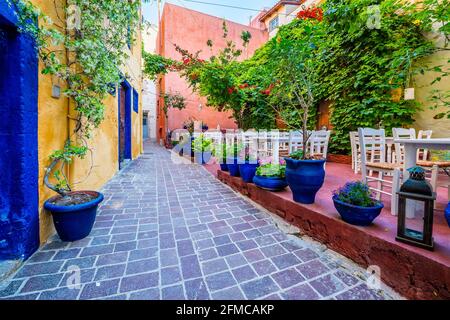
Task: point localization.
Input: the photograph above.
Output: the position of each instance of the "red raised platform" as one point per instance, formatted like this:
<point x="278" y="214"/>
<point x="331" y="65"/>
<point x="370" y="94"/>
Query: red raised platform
<point x="413" y="272"/>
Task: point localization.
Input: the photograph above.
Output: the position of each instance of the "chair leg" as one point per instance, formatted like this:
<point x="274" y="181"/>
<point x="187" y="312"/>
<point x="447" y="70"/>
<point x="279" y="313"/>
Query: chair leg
<point x="395" y="188"/>
<point x="434" y="180"/>
<point x="379" y="185"/>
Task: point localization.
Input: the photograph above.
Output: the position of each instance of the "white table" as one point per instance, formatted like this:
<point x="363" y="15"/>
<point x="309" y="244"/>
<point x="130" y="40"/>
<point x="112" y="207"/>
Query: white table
<point x="411" y="147"/>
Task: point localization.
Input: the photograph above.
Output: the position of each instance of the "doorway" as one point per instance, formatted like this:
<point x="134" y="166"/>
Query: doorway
<point x="124" y="123"/>
<point x="323" y="116"/>
<point x="19" y="199"/>
<point x="145" y="135"/>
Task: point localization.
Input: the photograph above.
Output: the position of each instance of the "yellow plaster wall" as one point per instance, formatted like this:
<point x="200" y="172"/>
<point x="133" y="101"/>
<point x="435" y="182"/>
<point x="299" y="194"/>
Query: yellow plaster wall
<point x="425" y="118"/>
<point x="54" y="129"/>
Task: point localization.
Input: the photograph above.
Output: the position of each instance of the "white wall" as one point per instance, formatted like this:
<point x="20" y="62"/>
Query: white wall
<point x="149" y="88"/>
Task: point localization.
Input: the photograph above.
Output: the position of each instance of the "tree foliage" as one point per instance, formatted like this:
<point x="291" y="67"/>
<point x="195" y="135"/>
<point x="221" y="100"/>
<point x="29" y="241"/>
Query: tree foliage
<point x="352" y="53"/>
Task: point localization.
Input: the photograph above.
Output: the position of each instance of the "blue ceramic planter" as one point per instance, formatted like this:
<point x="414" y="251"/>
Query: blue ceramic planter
<point x="356" y="215"/>
<point x="74" y="222"/>
<point x="233" y="167"/>
<point x="447" y="214"/>
<point x="248" y="171"/>
<point x="202" y="157"/>
<point x="270" y="183"/>
<point x="223" y="167"/>
<point x="305" y="178"/>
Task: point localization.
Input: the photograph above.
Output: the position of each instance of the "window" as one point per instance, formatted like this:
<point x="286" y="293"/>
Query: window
<point x="273" y="24"/>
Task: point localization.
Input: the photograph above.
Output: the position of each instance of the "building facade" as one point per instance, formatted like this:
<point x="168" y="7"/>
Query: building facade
<point x="283" y="12"/>
<point x="39" y="122"/>
<point x="191" y="30"/>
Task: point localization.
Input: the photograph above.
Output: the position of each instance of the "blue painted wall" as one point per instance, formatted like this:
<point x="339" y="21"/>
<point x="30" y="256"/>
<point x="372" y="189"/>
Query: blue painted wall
<point x="19" y="215"/>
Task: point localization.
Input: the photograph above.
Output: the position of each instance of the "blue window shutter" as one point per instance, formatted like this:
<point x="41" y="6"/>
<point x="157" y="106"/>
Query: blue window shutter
<point x="135" y="101"/>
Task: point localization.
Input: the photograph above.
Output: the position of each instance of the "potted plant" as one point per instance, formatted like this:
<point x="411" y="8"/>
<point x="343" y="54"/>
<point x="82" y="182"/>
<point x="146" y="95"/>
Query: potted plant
<point x="271" y="177"/>
<point x="232" y="159"/>
<point x="73" y="212"/>
<point x="189" y="125"/>
<point x="355" y="204"/>
<point x="220" y="153"/>
<point x="247" y="170"/>
<point x="305" y="176"/>
<point x="292" y="97"/>
<point x="203" y="148"/>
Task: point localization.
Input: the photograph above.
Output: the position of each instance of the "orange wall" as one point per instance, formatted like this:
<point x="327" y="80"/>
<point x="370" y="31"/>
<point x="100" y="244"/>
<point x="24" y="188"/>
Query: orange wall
<point x="191" y="30"/>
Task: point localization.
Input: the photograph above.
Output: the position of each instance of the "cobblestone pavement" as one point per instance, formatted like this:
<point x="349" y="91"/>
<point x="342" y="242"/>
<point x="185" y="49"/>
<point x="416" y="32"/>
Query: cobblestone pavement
<point x="169" y="231"/>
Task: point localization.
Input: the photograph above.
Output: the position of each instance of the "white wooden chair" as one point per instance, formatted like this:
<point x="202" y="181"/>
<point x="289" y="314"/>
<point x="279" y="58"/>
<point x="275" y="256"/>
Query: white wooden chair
<point x="319" y="143"/>
<point x="373" y="143"/>
<point x="249" y="140"/>
<point x="438" y="178"/>
<point x="264" y="148"/>
<point x="401" y="133"/>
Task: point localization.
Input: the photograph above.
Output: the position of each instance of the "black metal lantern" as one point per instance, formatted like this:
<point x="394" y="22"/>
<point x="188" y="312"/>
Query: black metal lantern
<point x="418" y="189"/>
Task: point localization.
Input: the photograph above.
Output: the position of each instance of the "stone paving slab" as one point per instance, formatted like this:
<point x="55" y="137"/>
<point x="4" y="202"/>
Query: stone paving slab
<point x="172" y="231"/>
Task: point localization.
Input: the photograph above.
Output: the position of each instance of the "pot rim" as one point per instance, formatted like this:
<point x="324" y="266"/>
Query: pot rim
<point x="379" y="205"/>
<point x="305" y="161"/>
<point x="78" y="207"/>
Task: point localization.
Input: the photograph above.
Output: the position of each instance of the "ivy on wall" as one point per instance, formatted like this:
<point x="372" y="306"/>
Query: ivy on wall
<point x="362" y="51"/>
<point x="83" y="47"/>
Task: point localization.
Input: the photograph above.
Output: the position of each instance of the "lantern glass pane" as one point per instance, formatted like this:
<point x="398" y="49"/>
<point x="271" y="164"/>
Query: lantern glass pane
<point x="415" y="225"/>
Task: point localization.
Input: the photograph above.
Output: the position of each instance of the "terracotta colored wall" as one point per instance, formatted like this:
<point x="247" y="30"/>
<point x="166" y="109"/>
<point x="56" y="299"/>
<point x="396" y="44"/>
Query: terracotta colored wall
<point x="54" y="127"/>
<point x="191" y="30"/>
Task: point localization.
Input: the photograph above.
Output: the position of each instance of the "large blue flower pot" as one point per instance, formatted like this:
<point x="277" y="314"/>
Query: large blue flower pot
<point x="233" y="167"/>
<point x="223" y="167"/>
<point x="305" y="178"/>
<point x="356" y="215"/>
<point x="270" y="183"/>
<point x="447" y="214"/>
<point x="74" y="222"/>
<point x="248" y="171"/>
<point x="202" y="157"/>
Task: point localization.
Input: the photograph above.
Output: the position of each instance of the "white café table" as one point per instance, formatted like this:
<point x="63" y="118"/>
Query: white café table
<point x="411" y="147"/>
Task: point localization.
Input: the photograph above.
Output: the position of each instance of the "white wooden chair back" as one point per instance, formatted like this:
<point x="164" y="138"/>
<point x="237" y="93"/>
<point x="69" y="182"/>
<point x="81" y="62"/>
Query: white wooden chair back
<point x="249" y="140"/>
<point x="319" y="142"/>
<point x="422" y="154"/>
<point x="373" y="145"/>
<point x="402" y="133"/>
<point x="284" y="143"/>
<point x="295" y="141"/>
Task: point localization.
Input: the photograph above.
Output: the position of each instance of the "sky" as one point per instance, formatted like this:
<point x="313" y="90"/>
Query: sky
<point x="237" y="15"/>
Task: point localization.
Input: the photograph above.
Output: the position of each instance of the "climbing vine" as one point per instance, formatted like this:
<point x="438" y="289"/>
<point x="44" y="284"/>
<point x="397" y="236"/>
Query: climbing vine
<point x="84" y="48"/>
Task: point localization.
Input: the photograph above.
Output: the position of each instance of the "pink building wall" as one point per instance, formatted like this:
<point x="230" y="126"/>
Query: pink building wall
<point x="191" y="30"/>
